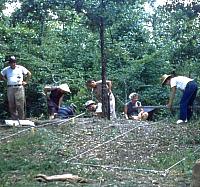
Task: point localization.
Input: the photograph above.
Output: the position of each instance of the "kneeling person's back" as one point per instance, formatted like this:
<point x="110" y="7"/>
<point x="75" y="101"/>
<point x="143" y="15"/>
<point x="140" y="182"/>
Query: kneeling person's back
<point x="66" y="112"/>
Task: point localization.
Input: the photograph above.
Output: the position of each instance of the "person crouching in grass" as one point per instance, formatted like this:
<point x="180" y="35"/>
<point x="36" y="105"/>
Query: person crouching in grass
<point x="133" y="109"/>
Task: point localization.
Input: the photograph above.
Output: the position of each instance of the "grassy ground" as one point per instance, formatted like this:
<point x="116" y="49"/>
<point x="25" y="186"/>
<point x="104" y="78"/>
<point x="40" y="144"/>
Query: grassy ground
<point x="118" y="153"/>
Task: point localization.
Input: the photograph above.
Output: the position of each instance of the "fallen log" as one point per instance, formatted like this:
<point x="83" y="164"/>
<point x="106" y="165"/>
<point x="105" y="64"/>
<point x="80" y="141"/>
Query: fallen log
<point x="63" y="177"/>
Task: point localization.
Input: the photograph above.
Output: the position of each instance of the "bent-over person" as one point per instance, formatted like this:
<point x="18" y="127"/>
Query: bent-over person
<point x="189" y="88"/>
<point x="96" y="87"/>
<point x="55" y="96"/>
<point x="16" y="77"/>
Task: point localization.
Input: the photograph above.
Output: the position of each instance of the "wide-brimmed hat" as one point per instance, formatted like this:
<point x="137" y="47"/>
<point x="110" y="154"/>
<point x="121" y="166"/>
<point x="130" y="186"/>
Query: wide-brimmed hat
<point x="88" y="103"/>
<point x="132" y="95"/>
<point x="65" y="88"/>
<point x="164" y="78"/>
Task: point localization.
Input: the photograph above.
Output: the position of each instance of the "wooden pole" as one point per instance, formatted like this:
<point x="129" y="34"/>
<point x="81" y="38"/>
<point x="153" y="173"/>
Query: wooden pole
<point x="105" y="98"/>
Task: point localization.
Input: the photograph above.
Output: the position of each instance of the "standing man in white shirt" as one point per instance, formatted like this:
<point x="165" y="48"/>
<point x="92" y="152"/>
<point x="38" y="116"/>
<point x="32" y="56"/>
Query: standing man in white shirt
<point x="16" y="77"/>
<point x="189" y="88"/>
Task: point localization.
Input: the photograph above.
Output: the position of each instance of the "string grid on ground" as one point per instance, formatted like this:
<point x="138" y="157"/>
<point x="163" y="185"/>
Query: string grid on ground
<point x="153" y="149"/>
<point x="130" y="151"/>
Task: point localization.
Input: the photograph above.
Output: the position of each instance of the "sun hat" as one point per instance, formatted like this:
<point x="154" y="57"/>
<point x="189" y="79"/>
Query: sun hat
<point x="64" y="87"/>
<point x="164" y="78"/>
<point x="88" y="103"/>
<point x="132" y="95"/>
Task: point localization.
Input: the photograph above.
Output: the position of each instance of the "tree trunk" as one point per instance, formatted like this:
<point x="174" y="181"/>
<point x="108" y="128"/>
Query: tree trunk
<point x="105" y="97"/>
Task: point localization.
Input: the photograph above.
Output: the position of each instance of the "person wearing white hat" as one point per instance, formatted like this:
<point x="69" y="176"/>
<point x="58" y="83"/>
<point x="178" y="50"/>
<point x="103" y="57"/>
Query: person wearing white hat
<point x="55" y="96"/>
<point x="16" y="77"/>
<point x="96" y="87"/>
<point x="91" y="106"/>
<point x="133" y="109"/>
<point x="189" y="88"/>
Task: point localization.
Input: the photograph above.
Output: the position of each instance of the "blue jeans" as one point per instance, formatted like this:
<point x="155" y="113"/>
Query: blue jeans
<point x="187" y="100"/>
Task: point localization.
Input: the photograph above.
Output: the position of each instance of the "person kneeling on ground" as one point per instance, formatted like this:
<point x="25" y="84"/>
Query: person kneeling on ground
<point x="96" y="109"/>
<point x="133" y="109"/>
<point x="55" y="96"/>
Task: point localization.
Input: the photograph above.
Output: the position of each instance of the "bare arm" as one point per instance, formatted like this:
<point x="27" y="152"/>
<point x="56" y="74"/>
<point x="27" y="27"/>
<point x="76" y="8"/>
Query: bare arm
<point x="125" y="111"/>
<point x="27" y="77"/>
<point x="171" y="99"/>
<point x="2" y="77"/>
<point x="60" y="100"/>
<point x="109" y="83"/>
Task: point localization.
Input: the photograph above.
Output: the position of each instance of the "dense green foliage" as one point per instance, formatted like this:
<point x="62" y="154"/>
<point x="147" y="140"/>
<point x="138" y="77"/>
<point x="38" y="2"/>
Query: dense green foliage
<point x="58" y="41"/>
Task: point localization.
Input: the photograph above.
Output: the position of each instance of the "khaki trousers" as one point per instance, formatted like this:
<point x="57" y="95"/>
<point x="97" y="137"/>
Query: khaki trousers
<point x="16" y="101"/>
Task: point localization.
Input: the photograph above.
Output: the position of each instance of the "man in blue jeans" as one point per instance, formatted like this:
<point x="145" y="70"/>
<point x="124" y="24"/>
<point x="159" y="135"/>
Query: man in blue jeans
<point x="189" y="88"/>
<point x="66" y="111"/>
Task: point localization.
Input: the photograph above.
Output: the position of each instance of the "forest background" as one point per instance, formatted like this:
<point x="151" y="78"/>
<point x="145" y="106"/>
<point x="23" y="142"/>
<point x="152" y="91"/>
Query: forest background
<point x="59" y="42"/>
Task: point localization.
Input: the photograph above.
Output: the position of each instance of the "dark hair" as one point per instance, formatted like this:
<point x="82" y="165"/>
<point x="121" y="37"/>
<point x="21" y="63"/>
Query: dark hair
<point x="89" y="82"/>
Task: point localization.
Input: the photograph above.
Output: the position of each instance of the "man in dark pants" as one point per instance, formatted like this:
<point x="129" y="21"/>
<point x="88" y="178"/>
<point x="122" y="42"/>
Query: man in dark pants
<point x="189" y="88"/>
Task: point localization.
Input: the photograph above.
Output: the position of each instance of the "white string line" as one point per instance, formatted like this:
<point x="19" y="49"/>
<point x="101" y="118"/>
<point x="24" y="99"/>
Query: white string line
<point x="19" y="132"/>
<point x="166" y="171"/>
<point x="39" y="126"/>
<point x="121" y="168"/>
<point x="183" y="159"/>
<point x="72" y="118"/>
<point x="63" y="121"/>
<point x="59" y="121"/>
<point x="106" y="142"/>
<point x="153" y="171"/>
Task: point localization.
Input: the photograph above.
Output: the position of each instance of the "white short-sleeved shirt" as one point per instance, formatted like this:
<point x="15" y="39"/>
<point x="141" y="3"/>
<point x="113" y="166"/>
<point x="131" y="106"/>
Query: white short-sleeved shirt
<point x="99" y="108"/>
<point x="14" y="76"/>
<point x="180" y="82"/>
